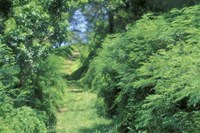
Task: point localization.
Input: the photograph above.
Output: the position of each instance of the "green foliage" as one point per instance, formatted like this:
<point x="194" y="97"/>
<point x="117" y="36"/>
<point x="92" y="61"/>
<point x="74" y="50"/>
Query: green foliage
<point x="50" y="85"/>
<point x="42" y="98"/>
<point x="174" y="105"/>
<point x="31" y="84"/>
<point x="159" y="96"/>
<point x="64" y="51"/>
<point x="23" y="120"/>
<point x="122" y="52"/>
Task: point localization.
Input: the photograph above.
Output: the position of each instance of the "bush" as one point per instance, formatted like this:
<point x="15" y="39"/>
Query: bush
<point x="115" y="72"/>
<point x="33" y="108"/>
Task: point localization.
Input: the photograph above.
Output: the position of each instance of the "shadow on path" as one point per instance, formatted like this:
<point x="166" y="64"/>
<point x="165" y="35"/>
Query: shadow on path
<point x="99" y="128"/>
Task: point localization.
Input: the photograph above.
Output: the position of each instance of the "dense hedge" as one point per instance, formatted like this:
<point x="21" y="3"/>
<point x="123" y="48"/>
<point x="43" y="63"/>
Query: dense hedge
<point x="31" y="109"/>
<point x="148" y="76"/>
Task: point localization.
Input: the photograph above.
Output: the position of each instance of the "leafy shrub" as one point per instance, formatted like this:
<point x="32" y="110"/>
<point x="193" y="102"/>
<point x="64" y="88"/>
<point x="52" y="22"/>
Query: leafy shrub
<point x="131" y="94"/>
<point x="49" y="87"/>
<point x="30" y="82"/>
<point x="37" y="102"/>
<point x="22" y="120"/>
<point x="174" y="105"/>
<point x="124" y="52"/>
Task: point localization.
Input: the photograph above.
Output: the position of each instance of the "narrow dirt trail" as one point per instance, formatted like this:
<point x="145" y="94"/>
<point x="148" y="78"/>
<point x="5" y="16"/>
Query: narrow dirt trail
<point x="78" y="113"/>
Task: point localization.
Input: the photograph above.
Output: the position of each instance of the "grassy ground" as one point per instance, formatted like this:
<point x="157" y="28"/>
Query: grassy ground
<point x="78" y="113"/>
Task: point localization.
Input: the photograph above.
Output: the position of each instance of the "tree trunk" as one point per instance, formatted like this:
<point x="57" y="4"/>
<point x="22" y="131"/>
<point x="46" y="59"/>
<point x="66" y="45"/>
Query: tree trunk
<point x="111" y="22"/>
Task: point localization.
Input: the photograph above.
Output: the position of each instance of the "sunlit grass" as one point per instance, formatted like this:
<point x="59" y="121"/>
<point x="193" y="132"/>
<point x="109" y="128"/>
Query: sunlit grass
<point x="77" y="112"/>
<point x="79" y="115"/>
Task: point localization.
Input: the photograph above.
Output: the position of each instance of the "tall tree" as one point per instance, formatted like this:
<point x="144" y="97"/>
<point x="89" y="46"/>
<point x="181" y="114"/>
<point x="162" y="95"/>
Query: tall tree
<point x="29" y="30"/>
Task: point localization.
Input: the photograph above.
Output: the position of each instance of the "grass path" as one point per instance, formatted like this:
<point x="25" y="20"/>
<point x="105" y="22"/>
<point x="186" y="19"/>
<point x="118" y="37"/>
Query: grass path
<point x="78" y="113"/>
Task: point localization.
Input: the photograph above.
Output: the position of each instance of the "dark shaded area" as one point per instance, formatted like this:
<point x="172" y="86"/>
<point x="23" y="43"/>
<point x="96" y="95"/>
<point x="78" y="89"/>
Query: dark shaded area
<point x="5" y="7"/>
<point x="142" y="92"/>
<point x="76" y="90"/>
<point x="111" y="23"/>
<point x="183" y="105"/>
<point x="166" y="5"/>
<point x="64" y="51"/>
<point x="109" y="98"/>
<point x="79" y="73"/>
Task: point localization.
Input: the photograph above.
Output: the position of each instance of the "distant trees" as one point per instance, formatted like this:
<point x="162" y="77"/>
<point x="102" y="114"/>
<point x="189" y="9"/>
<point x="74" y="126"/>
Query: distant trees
<point x="109" y="16"/>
